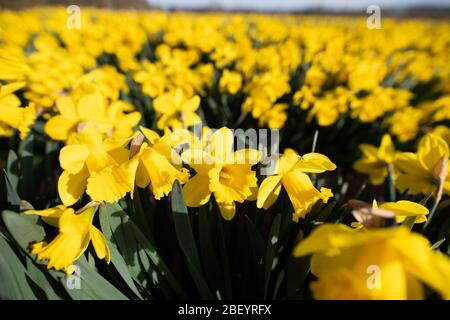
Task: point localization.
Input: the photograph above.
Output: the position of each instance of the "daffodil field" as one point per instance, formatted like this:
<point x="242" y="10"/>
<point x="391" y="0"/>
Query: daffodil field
<point x="172" y="156"/>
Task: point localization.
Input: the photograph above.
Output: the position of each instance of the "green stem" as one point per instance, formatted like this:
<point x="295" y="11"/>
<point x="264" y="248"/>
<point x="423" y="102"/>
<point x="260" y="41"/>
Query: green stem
<point x="433" y="210"/>
<point x="409" y="222"/>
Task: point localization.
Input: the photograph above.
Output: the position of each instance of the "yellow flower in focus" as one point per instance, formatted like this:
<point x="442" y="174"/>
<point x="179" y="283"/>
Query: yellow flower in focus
<point x="158" y="164"/>
<point x="290" y="173"/>
<point x="386" y="263"/>
<point x="75" y="233"/>
<point x="422" y="172"/>
<point x="230" y="82"/>
<point x="220" y="171"/>
<point x="376" y="161"/>
<point x="101" y="167"/>
<point x="176" y="110"/>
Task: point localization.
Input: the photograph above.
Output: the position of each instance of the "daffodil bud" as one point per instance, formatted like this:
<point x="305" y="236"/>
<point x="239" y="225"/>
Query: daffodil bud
<point x="136" y="144"/>
<point x="374" y="217"/>
<point x="440" y="171"/>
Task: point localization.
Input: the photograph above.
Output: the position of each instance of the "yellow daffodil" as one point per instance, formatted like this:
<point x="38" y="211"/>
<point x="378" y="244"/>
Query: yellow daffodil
<point x="75" y="233"/>
<point x="405" y="123"/>
<point x="176" y="110"/>
<point x="425" y="171"/>
<point x="92" y="107"/>
<point x="443" y="132"/>
<point x="104" y="80"/>
<point x="403" y="209"/>
<point x="230" y="82"/>
<point x="158" y="165"/>
<point x="400" y="210"/>
<point x="386" y="263"/>
<point x="101" y="167"/>
<point x="376" y="161"/>
<point x="152" y="79"/>
<point x="220" y="171"/>
<point x="12" y="116"/>
<point x="291" y="173"/>
<point x="12" y="70"/>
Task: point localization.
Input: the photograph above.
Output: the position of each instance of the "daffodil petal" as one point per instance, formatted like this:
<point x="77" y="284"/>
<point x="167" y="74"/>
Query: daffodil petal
<point x="196" y="191"/>
<point x="73" y="157"/>
<point x="268" y="192"/>
<point x="99" y="243"/>
<point x="71" y="186"/>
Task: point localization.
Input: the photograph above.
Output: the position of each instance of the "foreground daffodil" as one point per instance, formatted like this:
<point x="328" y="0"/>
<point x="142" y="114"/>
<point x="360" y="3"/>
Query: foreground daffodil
<point x="290" y="173"/>
<point x="220" y="171"/>
<point x="157" y="165"/>
<point x="75" y="233"/>
<point x="387" y="263"/>
<point x="425" y="171"/>
<point x="376" y="162"/>
<point x="101" y="167"/>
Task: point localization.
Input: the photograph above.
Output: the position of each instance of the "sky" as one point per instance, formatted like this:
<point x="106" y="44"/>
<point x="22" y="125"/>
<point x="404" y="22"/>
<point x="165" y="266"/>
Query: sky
<point x="297" y="4"/>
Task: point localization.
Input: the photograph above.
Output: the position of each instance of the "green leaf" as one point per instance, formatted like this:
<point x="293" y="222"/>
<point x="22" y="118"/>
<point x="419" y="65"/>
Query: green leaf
<point x="42" y="281"/>
<point x="22" y="229"/>
<point x="186" y="240"/>
<point x="270" y="251"/>
<point x="297" y="270"/>
<point x="116" y="258"/>
<point x="26" y="180"/>
<point x="25" y="231"/>
<point x="140" y="214"/>
<point x="92" y="285"/>
<point x="12" y="168"/>
<point x="438" y="244"/>
<point x="95" y="286"/>
<point x="11" y="194"/>
<point x="257" y="249"/>
<point x="223" y="255"/>
<point x="114" y="210"/>
<point x="13" y="280"/>
<point x="213" y="270"/>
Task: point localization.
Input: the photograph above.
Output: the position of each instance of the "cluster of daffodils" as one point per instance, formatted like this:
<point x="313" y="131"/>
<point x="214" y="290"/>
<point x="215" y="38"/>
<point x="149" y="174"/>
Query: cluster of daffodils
<point x="422" y="172"/>
<point x="121" y="98"/>
<point x="105" y="169"/>
<point x="271" y="66"/>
